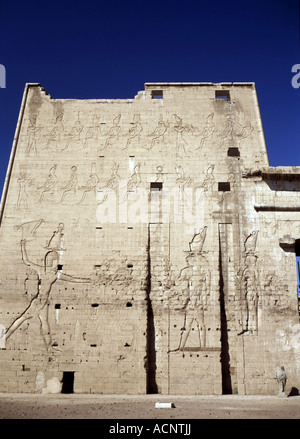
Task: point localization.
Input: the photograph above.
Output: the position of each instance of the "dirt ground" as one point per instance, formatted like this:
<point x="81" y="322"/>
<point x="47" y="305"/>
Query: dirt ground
<point x="75" y="406"/>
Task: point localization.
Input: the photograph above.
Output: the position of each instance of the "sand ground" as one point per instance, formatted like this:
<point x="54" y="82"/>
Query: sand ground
<point x="83" y="406"/>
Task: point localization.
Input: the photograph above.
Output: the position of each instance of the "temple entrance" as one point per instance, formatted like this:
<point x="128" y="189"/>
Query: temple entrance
<point x="68" y="382"/>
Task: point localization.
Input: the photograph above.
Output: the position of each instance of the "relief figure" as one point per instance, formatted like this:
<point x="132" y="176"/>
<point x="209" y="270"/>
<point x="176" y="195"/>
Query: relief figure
<point x="251" y="290"/>
<point x="49" y="185"/>
<point x="227" y="132"/>
<point x="158" y="133"/>
<point x="196" y="291"/>
<point x="71" y="185"/>
<point x="181" y="179"/>
<point x="135" y="178"/>
<point x="56" y="131"/>
<point x="134" y="131"/>
<point x="114" y="131"/>
<point x="47" y="274"/>
<point x="75" y="134"/>
<point x="93" y="133"/>
<point x="181" y="143"/>
<point x="242" y="132"/>
<point x="208" y="130"/>
<point x="31" y="132"/>
<point x="23" y="182"/>
<point x="90" y="186"/>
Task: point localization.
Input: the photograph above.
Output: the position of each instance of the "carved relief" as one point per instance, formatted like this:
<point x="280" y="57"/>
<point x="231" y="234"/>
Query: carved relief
<point x="75" y="134"/>
<point x="275" y="293"/>
<point x="93" y="133"/>
<point x="208" y="131"/>
<point x="227" y="133"/>
<point x="47" y="275"/>
<point x="55" y="243"/>
<point x="250" y="242"/>
<point x="135" y="178"/>
<point x="134" y="131"/>
<point x="90" y="186"/>
<point x="24" y="183"/>
<point x="181" y="180"/>
<point x="71" y="185"/>
<point x="113" y="182"/>
<point x="49" y="185"/>
<point x="197" y="242"/>
<point x="29" y="229"/>
<point x="209" y="179"/>
<point x="247" y="282"/>
<point x="111" y="185"/>
<point x="235" y="129"/>
<point x="243" y="131"/>
<point x="251" y="283"/>
<point x="189" y="292"/>
<point x="32" y="130"/>
<point x="181" y="143"/>
<point x="57" y="130"/>
<point x="158" y="133"/>
<point x="114" y="131"/>
<point x="159" y="174"/>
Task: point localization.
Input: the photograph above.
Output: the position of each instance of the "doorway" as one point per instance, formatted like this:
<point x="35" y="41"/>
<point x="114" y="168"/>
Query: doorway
<point x="68" y="382"/>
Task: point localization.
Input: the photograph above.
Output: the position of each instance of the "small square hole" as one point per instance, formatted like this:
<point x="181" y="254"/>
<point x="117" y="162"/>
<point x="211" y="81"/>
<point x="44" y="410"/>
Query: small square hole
<point x="223" y="95"/>
<point x="156" y="187"/>
<point x="224" y="186"/>
<point x="157" y="94"/>
<point x="233" y="152"/>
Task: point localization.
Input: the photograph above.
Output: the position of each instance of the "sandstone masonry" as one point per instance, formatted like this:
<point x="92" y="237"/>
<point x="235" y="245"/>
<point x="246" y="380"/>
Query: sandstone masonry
<point x="147" y="246"/>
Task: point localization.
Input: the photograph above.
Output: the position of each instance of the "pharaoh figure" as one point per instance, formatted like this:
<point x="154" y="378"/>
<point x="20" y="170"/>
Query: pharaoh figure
<point x="91" y="184"/>
<point x="113" y="132"/>
<point x="71" y="185"/>
<point x="158" y="133"/>
<point x="50" y="183"/>
<point x="207" y="131"/>
<point x="251" y="291"/>
<point x="134" y="131"/>
<point x="248" y="280"/>
<point x="48" y="274"/>
<point x="189" y="292"/>
<point x="181" y="143"/>
<point x="56" y="131"/>
<point x="31" y="132"/>
<point x="196" y="289"/>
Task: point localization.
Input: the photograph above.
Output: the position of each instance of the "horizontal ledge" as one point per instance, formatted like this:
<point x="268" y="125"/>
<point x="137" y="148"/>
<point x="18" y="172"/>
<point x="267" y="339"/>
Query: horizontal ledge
<point x="188" y="84"/>
<point x="277" y="208"/>
<point x="196" y="349"/>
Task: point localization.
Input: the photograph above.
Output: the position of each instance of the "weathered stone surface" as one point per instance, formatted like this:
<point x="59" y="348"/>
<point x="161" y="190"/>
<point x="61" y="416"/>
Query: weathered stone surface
<point x="148" y="246"/>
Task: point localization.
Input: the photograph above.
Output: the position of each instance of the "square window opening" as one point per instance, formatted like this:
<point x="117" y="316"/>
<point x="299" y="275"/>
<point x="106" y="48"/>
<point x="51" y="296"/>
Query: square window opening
<point x="156" y="187"/>
<point x="222" y="95"/>
<point x="157" y="94"/>
<point x="224" y="186"/>
<point x="233" y="152"/>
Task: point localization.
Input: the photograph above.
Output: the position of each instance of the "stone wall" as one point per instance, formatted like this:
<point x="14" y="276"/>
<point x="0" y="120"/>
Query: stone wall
<point x="147" y="246"/>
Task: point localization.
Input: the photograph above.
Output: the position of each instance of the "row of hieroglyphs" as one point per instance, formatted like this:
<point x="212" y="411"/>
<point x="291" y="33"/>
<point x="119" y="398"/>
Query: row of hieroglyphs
<point x="51" y="185"/>
<point x="165" y="131"/>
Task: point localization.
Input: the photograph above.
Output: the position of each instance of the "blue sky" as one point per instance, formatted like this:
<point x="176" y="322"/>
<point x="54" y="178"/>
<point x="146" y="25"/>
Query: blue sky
<point x="103" y="49"/>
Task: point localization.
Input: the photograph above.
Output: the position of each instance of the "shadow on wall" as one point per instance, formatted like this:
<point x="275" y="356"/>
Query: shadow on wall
<point x="294" y="392"/>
